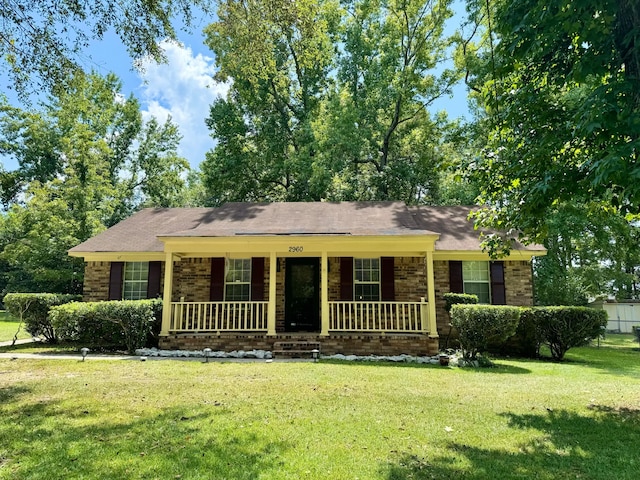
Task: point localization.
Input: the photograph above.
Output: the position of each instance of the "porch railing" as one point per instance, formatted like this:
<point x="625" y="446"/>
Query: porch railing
<point x="218" y="316"/>
<point x="378" y="317"/>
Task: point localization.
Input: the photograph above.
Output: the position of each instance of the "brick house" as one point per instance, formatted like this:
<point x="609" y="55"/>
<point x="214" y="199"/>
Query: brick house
<point x="356" y="277"/>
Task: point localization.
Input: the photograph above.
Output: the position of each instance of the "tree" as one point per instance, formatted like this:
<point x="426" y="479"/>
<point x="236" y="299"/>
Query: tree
<point x="558" y="86"/>
<point x="42" y="43"/>
<point x="328" y="101"/>
<point x="102" y="163"/>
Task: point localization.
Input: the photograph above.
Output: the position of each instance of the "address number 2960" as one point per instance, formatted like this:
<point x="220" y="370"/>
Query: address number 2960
<point x="296" y="249"/>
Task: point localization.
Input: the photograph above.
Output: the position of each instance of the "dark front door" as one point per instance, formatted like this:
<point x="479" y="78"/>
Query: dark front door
<point x="302" y="295"/>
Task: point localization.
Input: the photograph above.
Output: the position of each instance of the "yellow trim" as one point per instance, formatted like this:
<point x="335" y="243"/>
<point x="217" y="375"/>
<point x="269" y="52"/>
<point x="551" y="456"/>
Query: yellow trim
<point x="120" y="256"/>
<point x="516" y="255"/>
<point x="300" y="246"/>
<point x="166" y="295"/>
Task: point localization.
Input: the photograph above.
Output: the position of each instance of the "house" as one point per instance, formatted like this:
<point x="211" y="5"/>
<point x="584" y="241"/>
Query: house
<point x="356" y="277"/>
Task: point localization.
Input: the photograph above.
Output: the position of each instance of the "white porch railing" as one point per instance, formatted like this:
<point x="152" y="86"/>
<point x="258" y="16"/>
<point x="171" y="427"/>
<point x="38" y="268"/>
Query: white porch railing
<point x="218" y="316"/>
<point x="406" y="317"/>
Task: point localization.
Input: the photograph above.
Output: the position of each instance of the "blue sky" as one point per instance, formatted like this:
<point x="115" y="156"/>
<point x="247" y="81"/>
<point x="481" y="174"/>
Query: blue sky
<point x="184" y="87"/>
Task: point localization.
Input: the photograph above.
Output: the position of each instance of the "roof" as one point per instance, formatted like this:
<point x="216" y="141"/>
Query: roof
<point x="142" y="231"/>
<point x="456" y="231"/>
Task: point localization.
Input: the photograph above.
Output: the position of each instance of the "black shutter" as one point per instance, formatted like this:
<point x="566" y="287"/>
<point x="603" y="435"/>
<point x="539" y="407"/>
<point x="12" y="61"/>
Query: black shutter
<point x="257" y="279"/>
<point x="115" y="280"/>
<point x="387" y="277"/>
<point x="217" y="280"/>
<point x="498" y="294"/>
<point x="346" y="279"/>
<point x="153" y="280"/>
<point x="456" y="284"/>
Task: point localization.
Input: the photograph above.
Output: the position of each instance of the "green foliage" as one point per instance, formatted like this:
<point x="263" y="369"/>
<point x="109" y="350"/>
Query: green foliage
<point x="562" y="328"/>
<point x="557" y="88"/>
<point x="591" y="251"/>
<point x="85" y="162"/>
<point x="329" y="100"/>
<point x="42" y="42"/>
<point x="33" y="309"/>
<point x="480" y="325"/>
<point x="525" y="342"/>
<point x="451" y="299"/>
<point x="636" y="332"/>
<point x="122" y="324"/>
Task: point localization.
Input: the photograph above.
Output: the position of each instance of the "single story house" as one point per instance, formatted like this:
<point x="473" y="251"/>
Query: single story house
<point x="355" y="277"/>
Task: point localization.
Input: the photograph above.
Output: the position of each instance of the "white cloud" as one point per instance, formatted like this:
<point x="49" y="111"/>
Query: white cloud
<point x="183" y="88"/>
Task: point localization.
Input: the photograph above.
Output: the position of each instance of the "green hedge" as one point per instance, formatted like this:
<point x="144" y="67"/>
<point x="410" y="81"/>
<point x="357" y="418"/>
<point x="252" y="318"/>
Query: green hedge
<point x="480" y="325"/>
<point x="562" y="328"/>
<point x="126" y="324"/>
<point x="33" y="310"/>
<point x="525" y="342"/>
<point x="451" y="299"/>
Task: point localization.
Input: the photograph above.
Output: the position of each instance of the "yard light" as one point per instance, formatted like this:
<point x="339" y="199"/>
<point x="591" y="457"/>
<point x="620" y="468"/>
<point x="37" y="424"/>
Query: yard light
<point x="83" y="352"/>
<point x="315" y="353"/>
<point x="207" y="352"/>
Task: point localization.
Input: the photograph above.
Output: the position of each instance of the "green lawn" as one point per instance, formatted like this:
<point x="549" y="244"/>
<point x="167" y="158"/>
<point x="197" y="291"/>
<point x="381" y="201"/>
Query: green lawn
<point x="172" y="419"/>
<point x="9" y="327"/>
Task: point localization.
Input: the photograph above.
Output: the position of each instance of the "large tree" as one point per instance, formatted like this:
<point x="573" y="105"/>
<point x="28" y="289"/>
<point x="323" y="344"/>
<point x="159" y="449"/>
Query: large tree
<point x="558" y="89"/>
<point x="42" y="42"/>
<point x="99" y="163"/>
<point x="329" y="100"/>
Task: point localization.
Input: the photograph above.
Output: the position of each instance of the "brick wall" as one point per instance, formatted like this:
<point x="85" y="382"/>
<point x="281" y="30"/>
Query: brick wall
<point x="96" y="281"/>
<point x="518" y="288"/>
<point x="343" y="343"/>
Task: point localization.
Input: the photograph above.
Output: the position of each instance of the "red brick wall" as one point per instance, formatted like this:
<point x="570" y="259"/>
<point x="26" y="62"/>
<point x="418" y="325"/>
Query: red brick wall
<point x="346" y="344"/>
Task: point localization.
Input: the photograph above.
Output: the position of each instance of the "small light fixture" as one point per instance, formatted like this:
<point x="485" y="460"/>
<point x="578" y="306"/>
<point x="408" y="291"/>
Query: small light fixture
<point x="207" y="352"/>
<point x="83" y="352"/>
<point x="316" y="355"/>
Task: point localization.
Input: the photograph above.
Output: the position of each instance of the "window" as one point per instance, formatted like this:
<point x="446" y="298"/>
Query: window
<point x="237" y="283"/>
<point x="367" y="279"/>
<point x="135" y="280"/>
<point x="476" y="280"/>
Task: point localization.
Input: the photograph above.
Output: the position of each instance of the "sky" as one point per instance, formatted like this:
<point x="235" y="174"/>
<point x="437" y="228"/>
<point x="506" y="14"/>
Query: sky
<point x="184" y="87"/>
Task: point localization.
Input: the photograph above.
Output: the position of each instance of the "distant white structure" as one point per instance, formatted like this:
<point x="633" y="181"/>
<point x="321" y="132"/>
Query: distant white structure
<point x="622" y="315"/>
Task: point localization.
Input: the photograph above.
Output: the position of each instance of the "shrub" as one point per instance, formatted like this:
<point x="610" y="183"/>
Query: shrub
<point x="126" y="324"/>
<point x="479" y="325"/>
<point x="451" y="299"/>
<point x="33" y="310"/>
<point x="636" y="332"/>
<point x="525" y="342"/>
<point x="562" y="328"/>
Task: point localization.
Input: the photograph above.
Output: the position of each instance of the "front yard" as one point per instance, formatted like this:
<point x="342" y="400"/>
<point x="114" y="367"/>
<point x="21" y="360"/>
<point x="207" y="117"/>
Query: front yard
<point x="192" y="420"/>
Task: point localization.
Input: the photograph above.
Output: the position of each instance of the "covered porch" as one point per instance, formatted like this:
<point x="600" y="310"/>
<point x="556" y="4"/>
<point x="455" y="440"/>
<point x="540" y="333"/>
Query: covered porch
<point x="304" y="288"/>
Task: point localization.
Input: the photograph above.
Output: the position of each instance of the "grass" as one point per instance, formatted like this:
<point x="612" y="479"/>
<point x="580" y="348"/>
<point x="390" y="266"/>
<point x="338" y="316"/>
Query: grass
<point x="329" y="420"/>
<point x="9" y="327"/>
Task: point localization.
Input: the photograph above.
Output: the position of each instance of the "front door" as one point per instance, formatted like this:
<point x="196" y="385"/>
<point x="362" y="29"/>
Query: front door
<point x="302" y="295"/>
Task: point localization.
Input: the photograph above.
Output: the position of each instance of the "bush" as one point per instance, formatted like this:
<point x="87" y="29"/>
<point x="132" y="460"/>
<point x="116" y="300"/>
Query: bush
<point x="451" y="299"/>
<point x="126" y="324"/>
<point x="479" y="325"/>
<point x="33" y="310"/>
<point x="525" y="342"/>
<point x="562" y="328"/>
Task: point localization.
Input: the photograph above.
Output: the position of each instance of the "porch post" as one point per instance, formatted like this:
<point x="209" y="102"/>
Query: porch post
<point x="324" y="295"/>
<point x="271" y="308"/>
<point x="166" y="295"/>
<point x="431" y="296"/>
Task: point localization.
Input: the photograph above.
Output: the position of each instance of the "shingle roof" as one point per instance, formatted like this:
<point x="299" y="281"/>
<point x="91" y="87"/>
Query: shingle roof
<point x="456" y="231"/>
<point x="140" y="232"/>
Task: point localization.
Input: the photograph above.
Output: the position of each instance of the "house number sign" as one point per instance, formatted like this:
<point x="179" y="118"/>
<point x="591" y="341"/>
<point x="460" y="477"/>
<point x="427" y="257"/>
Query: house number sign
<point x="296" y="249"/>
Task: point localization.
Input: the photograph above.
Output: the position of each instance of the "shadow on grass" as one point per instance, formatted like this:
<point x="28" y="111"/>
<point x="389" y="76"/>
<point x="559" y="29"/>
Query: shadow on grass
<point x="44" y="439"/>
<point x="602" y="444"/>
<point x="618" y="361"/>
<point x="496" y="368"/>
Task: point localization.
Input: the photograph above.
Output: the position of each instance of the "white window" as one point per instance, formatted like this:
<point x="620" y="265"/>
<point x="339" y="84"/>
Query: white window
<point x="237" y="282"/>
<point x="135" y="280"/>
<point x="476" y="280"/>
<point x="367" y="279"/>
